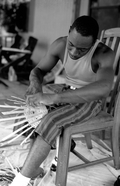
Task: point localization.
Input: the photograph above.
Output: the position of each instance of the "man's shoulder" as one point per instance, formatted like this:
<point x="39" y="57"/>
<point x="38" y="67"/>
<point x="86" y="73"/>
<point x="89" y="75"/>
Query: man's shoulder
<point x="104" y="54"/>
<point x="60" y="42"/>
<point x="103" y="49"/>
<point x="58" y="46"/>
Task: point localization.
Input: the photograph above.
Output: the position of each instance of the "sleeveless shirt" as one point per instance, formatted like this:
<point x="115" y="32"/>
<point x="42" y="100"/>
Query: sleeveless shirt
<point x="78" y="73"/>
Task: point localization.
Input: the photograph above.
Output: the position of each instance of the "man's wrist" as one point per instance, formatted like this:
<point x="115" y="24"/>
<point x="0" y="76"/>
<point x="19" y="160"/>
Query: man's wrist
<point x="36" y="85"/>
<point x="56" y="98"/>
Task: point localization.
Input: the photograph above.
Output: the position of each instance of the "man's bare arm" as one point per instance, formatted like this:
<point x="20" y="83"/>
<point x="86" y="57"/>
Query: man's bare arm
<point x="36" y="79"/>
<point x="45" y="65"/>
<point x="96" y="90"/>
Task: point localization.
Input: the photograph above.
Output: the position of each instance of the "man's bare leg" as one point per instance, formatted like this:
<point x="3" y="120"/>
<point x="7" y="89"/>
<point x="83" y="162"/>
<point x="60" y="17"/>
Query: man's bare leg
<point x="36" y="156"/>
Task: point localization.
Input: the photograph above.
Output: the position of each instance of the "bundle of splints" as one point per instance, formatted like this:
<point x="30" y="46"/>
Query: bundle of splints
<point x="22" y="115"/>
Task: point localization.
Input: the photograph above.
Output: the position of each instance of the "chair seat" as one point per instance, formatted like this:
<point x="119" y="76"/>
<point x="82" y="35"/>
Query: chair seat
<point x="103" y="117"/>
<point x="101" y="121"/>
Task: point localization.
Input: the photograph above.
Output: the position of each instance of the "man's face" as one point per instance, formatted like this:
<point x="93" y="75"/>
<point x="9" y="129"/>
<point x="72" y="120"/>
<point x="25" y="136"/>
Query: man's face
<point x="78" y="45"/>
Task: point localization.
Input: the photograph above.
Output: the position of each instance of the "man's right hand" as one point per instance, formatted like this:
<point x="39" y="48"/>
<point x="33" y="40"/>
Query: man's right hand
<point x="32" y="90"/>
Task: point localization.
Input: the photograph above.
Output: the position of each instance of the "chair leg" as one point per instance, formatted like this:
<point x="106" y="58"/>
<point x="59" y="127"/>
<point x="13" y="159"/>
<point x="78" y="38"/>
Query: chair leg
<point x="88" y="140"/>
<point x="115" y="147"/>
<point x="63" y="159"/>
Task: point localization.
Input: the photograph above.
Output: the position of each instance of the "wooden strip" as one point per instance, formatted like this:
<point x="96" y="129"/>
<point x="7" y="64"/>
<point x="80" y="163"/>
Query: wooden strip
<point x="24" y="141"/>
<point x="18" y="98"/>
<point x="89" y="164"/>
<point x="10" y="135"/>
<point x="19" y="108"/>
<point x="11" y="166"/>
<point x="80" y="156"/>
<point x="12" y="112"/>
<point x="111" y="169"/>
<point x="16" y="124"/>
<point x="20" y="122"/>
<point x="16" y="109"/>
<point x="16" y="50"/>
<point x="12" y="118"/>
<point x="97" y="141"/>
<point x="8" y="106"/>
<point x="17" y="101"/>
<point x="18" y="135"/>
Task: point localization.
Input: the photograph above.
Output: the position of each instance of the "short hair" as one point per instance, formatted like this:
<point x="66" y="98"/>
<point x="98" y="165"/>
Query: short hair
<point x="86" y="26"/>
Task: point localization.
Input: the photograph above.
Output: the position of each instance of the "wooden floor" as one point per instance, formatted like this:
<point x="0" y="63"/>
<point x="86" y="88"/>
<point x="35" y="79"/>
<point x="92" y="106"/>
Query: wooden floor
<point x="99" y="175"/>
<point x="14" y="88"/>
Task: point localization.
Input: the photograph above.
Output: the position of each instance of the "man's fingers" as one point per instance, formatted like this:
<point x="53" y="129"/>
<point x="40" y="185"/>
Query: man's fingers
<point x="29" y="99"/>
<point x="32" y="101"/>
<point x="28" y="93"/>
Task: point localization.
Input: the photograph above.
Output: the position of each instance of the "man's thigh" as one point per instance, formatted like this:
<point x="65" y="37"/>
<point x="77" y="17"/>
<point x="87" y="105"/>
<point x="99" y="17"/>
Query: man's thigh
<point x="52" y="124"/>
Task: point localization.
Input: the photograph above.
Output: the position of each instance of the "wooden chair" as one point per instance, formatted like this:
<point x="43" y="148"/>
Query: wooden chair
<point x="17" y="43"/>
<point x="27" y="65"/>
<point x="101" y="122"/>
<point x="111" y="37"/>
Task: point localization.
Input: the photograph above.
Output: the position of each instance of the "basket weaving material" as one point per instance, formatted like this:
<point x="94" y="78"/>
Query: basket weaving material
<point x="27" y="117"/>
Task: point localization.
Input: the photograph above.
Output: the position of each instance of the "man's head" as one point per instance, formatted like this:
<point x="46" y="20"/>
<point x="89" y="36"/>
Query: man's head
<point x="82" y="35"/>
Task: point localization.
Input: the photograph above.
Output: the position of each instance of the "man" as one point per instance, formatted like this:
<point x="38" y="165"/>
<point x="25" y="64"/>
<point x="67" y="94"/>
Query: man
<point x="88" y="77"/>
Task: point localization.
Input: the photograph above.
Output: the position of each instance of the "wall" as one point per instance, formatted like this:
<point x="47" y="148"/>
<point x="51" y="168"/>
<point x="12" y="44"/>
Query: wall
<point x="107" y="13"/>
<point x="84" y="7"/>
<point x="52" y="19"/>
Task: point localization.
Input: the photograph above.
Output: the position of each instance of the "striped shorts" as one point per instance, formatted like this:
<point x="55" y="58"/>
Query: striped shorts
<point x="63" y="115"/>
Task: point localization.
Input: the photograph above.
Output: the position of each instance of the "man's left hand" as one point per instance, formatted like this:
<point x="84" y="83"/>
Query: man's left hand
<point x="40" y="98"/>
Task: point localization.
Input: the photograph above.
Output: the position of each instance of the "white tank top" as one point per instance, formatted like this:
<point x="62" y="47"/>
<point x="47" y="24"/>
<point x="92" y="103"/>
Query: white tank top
<point x="78" y="73"/>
